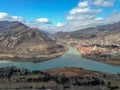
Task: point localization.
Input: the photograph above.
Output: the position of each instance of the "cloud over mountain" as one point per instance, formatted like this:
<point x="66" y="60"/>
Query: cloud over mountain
<point x="5" y="17"/>
<point x="60" y="24"/>
<point x="87" y="13"/>
<point x="43" y="21"/>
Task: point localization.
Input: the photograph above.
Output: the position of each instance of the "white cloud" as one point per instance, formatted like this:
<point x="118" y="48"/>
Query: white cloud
<point x="80" y="13"/>
<point x="85" y="22"/>
<point x="43" y="20"/>
<point x="84" y="15"/>
<point x="5" y="17"/>
<point x="99" y="19"/>
<point x="82" y="7"/>
<point x="104" y="3"/>
<point x="41" y="23"/>
<point x="79" y="10"/>
<point x="17" y="18"/>
<point x="83" y="4"/>
<point x="79" y="17"/>
<point x="60" y="24"/>
<point x="114" y="17"/>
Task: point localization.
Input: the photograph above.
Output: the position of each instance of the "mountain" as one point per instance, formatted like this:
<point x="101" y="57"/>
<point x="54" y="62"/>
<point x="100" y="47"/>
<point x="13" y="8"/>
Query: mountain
<point x="18" y="41"/>
<point x="94" y="32"/>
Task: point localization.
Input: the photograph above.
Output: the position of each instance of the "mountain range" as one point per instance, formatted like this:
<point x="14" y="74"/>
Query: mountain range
<point x="20" y="41"/>
<point x="93" y="32"/>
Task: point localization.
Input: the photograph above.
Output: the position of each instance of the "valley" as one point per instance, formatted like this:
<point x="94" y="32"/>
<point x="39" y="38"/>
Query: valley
<point x="103" y="46"/>
<point x="59" y="44"/>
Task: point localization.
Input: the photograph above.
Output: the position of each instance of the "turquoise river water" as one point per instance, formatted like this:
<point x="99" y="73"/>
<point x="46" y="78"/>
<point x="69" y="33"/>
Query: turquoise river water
<point x="71" y="58"/>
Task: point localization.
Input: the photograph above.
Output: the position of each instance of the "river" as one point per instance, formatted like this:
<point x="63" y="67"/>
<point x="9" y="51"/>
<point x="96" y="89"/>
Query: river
<point x="71" y="58"/>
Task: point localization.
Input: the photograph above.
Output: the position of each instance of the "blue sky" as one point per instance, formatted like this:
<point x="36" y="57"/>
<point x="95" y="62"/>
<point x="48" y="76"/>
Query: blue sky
<point x="61" y="15"/>
<point x="54" y="10"/>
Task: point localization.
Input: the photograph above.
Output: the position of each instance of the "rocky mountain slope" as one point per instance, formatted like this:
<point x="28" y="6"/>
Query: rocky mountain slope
<point x="94" y="32"/>
<point x="18" y="41"/>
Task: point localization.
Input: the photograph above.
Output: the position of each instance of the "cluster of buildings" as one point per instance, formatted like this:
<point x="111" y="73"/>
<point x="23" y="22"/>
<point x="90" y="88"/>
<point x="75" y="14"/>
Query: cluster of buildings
<point x="92" y="46"/>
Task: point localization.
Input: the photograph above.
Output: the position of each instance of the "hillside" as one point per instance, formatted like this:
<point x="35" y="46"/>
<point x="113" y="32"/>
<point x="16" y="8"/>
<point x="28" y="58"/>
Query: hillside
<point x="18" y="41"/>
<point x="94" y="32"/>
<point x="67" y="78"/>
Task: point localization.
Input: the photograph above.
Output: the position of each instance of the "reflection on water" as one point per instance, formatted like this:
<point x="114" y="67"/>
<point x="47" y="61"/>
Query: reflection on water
<point x="71" y="58"/>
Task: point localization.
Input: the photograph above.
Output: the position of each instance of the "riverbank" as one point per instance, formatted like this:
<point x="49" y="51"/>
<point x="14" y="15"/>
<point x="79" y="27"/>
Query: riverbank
<point x="28" y="58"/>
<point x="110" y="62"/>
<point x="71" y="58"/>
<point x="67" y="78"/>
<point x="102" y="54"/>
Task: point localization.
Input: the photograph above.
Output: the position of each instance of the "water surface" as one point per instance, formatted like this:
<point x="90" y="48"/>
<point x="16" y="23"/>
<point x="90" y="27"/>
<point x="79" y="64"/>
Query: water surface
<point x="71" y="58"/>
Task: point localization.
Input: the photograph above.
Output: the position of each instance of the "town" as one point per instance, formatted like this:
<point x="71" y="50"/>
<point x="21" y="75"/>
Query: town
<point x="98" y="49"/>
